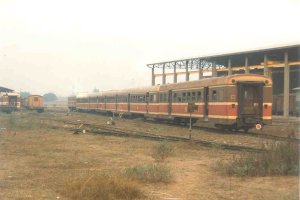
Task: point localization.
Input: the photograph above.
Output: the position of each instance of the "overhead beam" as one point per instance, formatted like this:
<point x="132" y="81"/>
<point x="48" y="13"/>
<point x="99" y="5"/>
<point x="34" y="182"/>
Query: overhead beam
<point x="278" y="65"/>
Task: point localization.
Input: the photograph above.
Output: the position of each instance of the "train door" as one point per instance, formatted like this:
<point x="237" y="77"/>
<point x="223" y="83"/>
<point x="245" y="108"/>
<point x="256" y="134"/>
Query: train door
<point x="147" y="102"/>
<point x="170" y="102"/>
<point x="105" y="100"/>
<point x="128" y="102"/>
<point x="116" y="106"/>
<point x="250" y="100"/>
<point x="206" y="100"/>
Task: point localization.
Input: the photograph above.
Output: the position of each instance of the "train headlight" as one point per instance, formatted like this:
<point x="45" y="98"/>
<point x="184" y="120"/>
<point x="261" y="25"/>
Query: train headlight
<point x="258" y="126"/>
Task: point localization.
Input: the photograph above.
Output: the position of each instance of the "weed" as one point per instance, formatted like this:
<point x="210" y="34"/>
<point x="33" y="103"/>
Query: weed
<point x="152" y="173"/>
<point x="278" y="159"/>
<point x="162" y="151"/>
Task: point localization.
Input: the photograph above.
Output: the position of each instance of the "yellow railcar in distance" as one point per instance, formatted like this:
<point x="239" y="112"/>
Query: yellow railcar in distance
<point x="34" y="102"/>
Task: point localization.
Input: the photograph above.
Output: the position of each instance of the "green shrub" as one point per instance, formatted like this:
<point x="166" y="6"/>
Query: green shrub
<point x="162" y="150"/>
<point x="278" y="159"/>
<point x="153" y="173"/>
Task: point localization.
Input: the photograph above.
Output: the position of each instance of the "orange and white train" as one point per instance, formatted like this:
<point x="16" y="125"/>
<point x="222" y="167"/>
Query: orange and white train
<point x="34" y="102"/>
<point x="233" y="102"/>
<point x="9" y="101"/>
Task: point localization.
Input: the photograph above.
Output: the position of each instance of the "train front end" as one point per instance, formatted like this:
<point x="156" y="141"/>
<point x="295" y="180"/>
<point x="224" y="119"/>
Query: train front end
<point x="254" y="97"/>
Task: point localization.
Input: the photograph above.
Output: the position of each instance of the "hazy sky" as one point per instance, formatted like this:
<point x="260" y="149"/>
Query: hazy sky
<point x="74" y="46"/>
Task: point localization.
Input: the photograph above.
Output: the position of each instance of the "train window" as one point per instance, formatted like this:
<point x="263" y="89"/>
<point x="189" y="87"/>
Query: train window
<point x="188" y="96"/>
<point x="214" y="95"/>
<point x="174" y="97"/>
<point x="183" y="96"/>
<point x="151" y="98"/>
<point x="163" y="98"/>
<point x="199" y="96"/>
<point x="155" y="98"/>
<point x="179" y="98"/>
<point x="193" y="98"/>
<point x="35" y="99"/>
<point x="141" y="99"/>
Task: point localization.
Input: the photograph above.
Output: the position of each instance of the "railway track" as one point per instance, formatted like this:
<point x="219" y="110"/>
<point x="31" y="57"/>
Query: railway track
<point x="228" y="132"/>
<point x="112" y="131"/>
<point x="224" y="132"/>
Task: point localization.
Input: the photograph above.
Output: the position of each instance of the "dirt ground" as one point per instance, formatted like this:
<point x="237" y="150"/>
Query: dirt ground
<point x="37" y="157"/>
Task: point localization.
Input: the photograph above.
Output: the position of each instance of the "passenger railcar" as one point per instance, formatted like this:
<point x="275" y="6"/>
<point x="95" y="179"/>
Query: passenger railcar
<point x="9" y="101"/>
<point x="233" y="102"/>
<point x="34" y="102"/>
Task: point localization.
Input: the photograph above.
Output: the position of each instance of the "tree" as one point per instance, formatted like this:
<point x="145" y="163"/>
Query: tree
<point x="50" y="96"/>
<point x="24" y="94"/>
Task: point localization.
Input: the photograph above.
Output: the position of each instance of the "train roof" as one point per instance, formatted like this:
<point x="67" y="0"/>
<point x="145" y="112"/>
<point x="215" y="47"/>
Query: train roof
<point x="35" y="95"/>
<point x="140" y="90"/>
<point x="215" y="81"/>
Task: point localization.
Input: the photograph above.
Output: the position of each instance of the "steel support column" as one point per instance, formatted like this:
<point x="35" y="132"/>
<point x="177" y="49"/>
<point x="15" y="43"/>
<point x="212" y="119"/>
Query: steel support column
<point x="247" y="71"/>
<point x="164" y="75"/>
<point x="214" y="70"/>
<point x="286" y="86"/>
<point x="153" y="76"/>
<point x="175" y="75"/>
<point x="187" y="75"/>
<point x="229" y="67"/>
<point x="266" y="70"/>
<point x="200" y="73"/>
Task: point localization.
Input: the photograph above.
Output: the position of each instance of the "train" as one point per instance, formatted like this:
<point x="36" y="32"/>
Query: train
<point x="10" y="101"/>
<point x="235" y="102"/>
<point x="33" y="102"/>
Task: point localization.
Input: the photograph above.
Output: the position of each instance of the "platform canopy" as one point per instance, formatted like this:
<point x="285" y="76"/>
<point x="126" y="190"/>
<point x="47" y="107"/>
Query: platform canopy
<point x="3" y="89"/>
<point x="255" y="58"/>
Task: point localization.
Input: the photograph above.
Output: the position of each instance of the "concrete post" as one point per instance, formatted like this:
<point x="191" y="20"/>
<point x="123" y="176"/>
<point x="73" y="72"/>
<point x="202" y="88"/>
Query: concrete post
<point x="153" y="76"/>
<point x="187" y="75"/>
<point x="175" y="74"/>
<point x="247" y="71"/>
<point x="164" y="75"/>
<point x="214" y="69"/>
<point x="200" y="73"/>
<point x="286" y="85"/>
<point x="229" y="67"/>
<point x="266" y="70"/>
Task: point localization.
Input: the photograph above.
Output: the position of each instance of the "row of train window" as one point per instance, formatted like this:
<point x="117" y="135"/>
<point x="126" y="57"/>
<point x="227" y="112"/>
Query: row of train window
<point x="177" y="97"/>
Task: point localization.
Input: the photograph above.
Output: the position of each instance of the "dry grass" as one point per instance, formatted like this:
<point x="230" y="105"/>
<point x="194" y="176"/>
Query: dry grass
<point x="101" y="187"/>
<point x="45" y="160"/>
<point x="278" y="159"/>
<point x="152" y="173"/>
